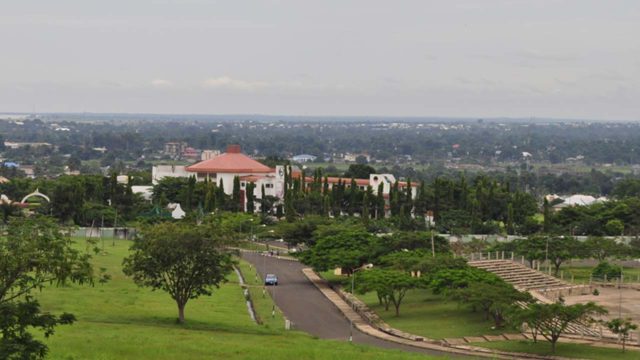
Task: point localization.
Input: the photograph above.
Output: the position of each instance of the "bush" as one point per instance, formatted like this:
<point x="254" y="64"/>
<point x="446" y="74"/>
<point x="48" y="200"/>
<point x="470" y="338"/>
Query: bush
<point x="604" y="269"/>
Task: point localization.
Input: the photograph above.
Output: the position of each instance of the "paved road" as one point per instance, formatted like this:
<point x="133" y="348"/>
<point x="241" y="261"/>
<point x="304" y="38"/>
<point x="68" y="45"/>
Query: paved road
<point x="309" y="309"/>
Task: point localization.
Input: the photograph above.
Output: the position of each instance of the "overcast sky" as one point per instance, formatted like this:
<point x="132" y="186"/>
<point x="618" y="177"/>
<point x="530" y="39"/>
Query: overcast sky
<point x="477" y="58"/>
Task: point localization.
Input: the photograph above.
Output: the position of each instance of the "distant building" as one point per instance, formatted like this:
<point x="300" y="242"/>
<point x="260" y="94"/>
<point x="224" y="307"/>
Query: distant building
<point x="29" y="171"/>
<point x="348" y="157"/>
<point x="302" y="158"/>
<point x="224" y="168"/>
<point x="190" y="153"/>
<point x="174" y="149"/>
<point x="159" y="172"/>
<point x="209" y="154"/>
<point x="574" y="200"/>
<point x="145" y="191"/>
<point x="17" y="145"/>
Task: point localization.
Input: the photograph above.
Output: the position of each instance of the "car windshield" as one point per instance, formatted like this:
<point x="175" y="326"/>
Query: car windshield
<point x="271" y="276"/>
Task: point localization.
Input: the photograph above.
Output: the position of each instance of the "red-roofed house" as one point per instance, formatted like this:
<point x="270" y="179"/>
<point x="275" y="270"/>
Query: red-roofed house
<point x="234" y="163"/>
<point x="222" y="169"/>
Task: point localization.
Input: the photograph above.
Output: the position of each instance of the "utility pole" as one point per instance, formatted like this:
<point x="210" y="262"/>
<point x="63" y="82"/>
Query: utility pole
<point x="433" y="245"/>
<point x="101" y="238"/>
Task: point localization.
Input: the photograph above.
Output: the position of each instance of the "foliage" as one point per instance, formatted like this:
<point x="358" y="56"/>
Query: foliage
<point x="494" y="299"/>
<point x="552" y="320"/>
<point x="301" y="231"/>
<point x="33" y="254"/>
<point x="622" y="328"/>
<point x="604" y="270"/>
<point x="349" y="250"/>
<point x="391" y="286"/>
<point x="601" y="248"/>
<point x="447" y="280"/>
<point x="180" y="259"/>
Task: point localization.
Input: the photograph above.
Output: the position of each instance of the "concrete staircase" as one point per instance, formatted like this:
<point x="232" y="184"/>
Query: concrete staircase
<point x="541" y="286"/>
<point x="521" y="276"/>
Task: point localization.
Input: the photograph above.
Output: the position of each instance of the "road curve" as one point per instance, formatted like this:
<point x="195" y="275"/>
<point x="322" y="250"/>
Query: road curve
<point x="309" y="310"/>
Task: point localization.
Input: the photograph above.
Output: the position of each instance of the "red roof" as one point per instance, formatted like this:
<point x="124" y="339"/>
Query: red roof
<point x="233" y="161"/>
<point x="359" y="182"/>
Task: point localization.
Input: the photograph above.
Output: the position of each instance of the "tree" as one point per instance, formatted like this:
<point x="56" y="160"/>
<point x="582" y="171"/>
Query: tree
<point x="349" y="249"/>
<point x="359" y="171"/>
<point x="34" y="253"/>
<point x="181" y="259"/>
<point x="604" y="270"/>
<point x="622" y="328"/>
<point x="391" y="286"/>
<point x="250" y="197"/>
<point x="494" y="299"/>
<point x="552" y="320"/>
<point x="601" y="248"/>
<point x="561" y="249"/>
<point x="235" y="195"/>
<point x="614" y="227"/>
<point x="8" y="209"/>
<point x="453" y="279"/>
<point x="301" y="231"/>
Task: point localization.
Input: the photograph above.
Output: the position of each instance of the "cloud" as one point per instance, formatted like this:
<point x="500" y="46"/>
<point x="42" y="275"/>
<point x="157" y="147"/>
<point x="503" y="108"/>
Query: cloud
<point x="226" y="82"/>
<point x="542" y="56"/>
<point x="161" y="83"/>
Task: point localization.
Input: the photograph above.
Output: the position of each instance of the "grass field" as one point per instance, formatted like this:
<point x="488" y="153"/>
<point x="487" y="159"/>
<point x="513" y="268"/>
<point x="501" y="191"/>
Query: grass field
<point x="262" y="303"/>
<point x="582" y="274"/>
<point x="563" y="349"/>
<point x="426" y="314"/>
<point x="118" y="320"/>
<point x="432" y="316"/>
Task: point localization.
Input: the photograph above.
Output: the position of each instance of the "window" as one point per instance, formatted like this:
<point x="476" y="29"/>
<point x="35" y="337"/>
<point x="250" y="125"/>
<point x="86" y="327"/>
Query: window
<point x="268" y="186"/>
<point x="242" y="184"/>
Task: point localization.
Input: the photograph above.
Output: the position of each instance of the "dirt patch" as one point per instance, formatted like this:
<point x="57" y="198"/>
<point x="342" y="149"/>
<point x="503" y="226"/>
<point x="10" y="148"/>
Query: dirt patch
<point x="618" y="301"/>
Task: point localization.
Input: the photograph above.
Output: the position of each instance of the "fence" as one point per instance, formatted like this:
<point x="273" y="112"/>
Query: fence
<point x="105" y="232"/>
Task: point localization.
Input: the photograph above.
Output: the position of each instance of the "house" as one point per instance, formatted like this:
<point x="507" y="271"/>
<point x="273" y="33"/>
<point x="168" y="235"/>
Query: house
<point x="159" y="172"/>
<point x="209" y="154"/>
<point x="174" y="149"/>
<point x="573" y="200"/>
<point x="302" y="158"/>
<point x="145" y="191"/>
<point x="224" y="168"/>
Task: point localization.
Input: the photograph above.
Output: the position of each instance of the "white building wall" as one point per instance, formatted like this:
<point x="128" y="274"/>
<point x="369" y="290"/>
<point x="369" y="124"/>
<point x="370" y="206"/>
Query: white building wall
<point x="159" y="172"/>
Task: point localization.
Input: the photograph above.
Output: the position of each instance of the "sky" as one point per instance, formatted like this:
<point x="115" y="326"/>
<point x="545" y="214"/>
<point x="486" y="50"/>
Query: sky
<point x="478" y="58"/>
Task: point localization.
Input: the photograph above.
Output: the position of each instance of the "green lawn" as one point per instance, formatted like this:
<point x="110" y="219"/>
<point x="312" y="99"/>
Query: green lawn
<point x="423" y="313"/>
<point x="262" y="302"/>
<point x="563" y="349"/>
<point x="121" y="321"/>
<point x="432" y="316"/>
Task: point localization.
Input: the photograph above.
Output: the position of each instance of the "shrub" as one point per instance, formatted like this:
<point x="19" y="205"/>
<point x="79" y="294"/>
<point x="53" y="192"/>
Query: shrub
<point x="605" y="269"/>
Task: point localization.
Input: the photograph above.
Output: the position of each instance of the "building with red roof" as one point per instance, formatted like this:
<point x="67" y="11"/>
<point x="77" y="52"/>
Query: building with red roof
<point x="224" y="168"/>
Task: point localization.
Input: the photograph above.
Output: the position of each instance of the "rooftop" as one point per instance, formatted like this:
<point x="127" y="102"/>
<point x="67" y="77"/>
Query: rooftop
<point x="233" y="161"/>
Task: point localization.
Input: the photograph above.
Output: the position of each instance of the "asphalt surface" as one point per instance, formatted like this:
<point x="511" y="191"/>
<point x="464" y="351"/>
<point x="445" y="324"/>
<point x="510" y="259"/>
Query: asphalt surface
<point x="309" y="310"/>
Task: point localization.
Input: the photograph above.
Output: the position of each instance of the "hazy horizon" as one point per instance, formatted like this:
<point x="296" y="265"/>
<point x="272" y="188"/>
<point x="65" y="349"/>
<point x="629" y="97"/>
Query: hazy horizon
<point x="555" y="59"/>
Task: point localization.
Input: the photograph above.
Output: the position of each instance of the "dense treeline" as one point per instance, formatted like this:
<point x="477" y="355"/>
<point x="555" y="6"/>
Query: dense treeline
<point x="82" y="200"/>
<point x="415" y="142"/>
<point x="463" y="205"/>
